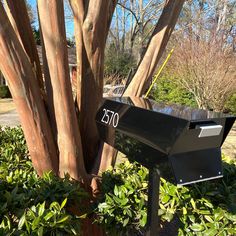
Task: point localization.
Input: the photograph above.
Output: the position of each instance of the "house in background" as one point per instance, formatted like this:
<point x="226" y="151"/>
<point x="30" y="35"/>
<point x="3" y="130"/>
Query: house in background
<point x="72" y="65"/>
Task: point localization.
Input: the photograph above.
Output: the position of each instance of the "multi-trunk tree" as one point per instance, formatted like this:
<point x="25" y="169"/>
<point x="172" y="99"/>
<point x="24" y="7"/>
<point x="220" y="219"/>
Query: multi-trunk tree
<point x="61" y="135"/>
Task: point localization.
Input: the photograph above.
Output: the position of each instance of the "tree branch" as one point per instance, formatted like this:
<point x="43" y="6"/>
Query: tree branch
<point x="157" y="44"/>
<point x="128" y="9"/>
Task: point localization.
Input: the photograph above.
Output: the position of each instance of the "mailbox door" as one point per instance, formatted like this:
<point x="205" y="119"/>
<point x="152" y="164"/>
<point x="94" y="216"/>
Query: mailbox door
<point x="197" y="166"/>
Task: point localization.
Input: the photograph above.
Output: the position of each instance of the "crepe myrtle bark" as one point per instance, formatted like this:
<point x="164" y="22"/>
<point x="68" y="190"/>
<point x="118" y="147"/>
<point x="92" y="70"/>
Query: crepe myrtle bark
<point x="18" y="70"/>
<point x="155" y="48"/>
<point x="60" y="136"/>
<point x="92" y="21"/>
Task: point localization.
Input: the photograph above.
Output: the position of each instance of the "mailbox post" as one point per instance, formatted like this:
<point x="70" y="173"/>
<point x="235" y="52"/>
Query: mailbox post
<point x="153" y="133"/>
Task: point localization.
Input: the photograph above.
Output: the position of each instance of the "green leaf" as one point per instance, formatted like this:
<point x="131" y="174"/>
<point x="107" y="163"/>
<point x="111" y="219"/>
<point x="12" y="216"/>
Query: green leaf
<point x="64" y="218"/>
<point x="143" y="220"/>
<point x="165" y="199"/>
<point x="168" y="216"/>
<point x="124" y="201"/>
<point x="197" y="227"/>
<point x="55" y="205"/>
<point x="116" y="191"/>
<point x="184" y="211"/>
<point x="63" y="203"/>
<point x="40" y="231"/>
<point x="193" y="204"/>
<point x="21" y="222"/>
<point x="191" y="218"/>
<point x="209" y="219"/>
<point x="27" y="226"/>
<point x="48" y="216"/>
<point x="218" y="214"/>
<point x="41" y="209"/>
<point x="232" y="231"/>
<point x="210" y="232"/>
<point x="36" y="223"/>
<point x="125" y="222"/>
<point x="207" y="203"/>
<point x="172" y="190"/>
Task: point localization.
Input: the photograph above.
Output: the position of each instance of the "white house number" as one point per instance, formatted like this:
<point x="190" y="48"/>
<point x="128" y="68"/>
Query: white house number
<point x="110" y="117"/>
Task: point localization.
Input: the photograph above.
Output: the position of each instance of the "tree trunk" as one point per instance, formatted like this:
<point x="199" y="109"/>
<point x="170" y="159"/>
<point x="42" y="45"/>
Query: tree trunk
<point x="155" y="48"/>
<point x="21" y="25"/>
<point x="93" y="26"/>
<point x="68" y="138"/>
<point x="16" y="67"/>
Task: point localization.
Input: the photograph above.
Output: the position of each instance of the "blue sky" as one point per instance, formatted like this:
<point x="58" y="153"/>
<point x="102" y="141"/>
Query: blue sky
<point x="69" y="23"/>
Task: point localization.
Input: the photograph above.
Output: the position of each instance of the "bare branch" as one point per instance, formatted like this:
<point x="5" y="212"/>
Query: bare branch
<point x="128" y="9"/>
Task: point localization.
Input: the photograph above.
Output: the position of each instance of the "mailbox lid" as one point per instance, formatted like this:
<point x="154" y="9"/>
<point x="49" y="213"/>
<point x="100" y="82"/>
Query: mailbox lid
<point x="169" y="128"/>
<point x="176" y="110"/>
<point x="140" y="122"/>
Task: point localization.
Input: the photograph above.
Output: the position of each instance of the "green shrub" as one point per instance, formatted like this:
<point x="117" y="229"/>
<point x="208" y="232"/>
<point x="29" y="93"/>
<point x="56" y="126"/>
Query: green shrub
<point x="207" y="208"/>
<point x="167" y="90"/>
<point x="4" y="92"/>
<point x="30" y="205"/>
<point x="118" y="63"/>
<point x="230" y="105"/>
<point x="39" y="206"/>
<point x="123" y="208"/>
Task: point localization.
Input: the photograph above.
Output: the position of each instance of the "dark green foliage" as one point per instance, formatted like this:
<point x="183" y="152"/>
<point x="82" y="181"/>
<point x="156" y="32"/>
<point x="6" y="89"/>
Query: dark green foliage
<point x="118" y="63"/>
<point x="230" y="105"/>
<point x="30" y="205"/>
<point x="36" y="34"/>
<point x="124" y="207"/>
<point x="4" y="92"/>
<point x="71" y="42"/>
<point x="167" y="90"/>
<point x="39" y="206"/>
<point x="207" y="208"/>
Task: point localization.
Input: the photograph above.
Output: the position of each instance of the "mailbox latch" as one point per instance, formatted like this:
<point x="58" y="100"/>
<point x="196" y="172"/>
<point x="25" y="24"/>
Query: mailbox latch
<point x="209" y="130"/>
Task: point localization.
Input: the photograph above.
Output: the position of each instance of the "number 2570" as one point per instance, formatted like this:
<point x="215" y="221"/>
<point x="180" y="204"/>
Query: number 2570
<point x="110" y="117"/>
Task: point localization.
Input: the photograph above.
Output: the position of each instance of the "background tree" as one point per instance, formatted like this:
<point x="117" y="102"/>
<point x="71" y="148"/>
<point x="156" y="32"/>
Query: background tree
<point x="208" y="72"/>
<point x="204" y="61"/>
<point x="131" y="27"/>
<point x="133" y="24"/>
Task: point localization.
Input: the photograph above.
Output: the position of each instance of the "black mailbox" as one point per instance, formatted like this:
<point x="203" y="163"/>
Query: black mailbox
<point x="154" y="133"/>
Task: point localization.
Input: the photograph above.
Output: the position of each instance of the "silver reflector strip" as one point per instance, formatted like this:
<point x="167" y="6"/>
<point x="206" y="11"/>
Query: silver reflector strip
<point x="209" y="130"/>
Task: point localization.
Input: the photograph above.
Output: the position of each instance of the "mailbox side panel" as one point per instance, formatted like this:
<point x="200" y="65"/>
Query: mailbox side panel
<point x="228" y="125"/>
<point x="197" y="166"/>
<point x="191" y="139"/>
<point x="154" y="129"/>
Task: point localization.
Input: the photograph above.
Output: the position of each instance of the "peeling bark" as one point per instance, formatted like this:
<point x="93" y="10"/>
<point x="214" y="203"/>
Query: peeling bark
<point x="17" y="69"/>
<point x="155" y="49"/>
<point x="92" y="22"/>
<point x="18" y="15"/>
<point x="69" y="141"/>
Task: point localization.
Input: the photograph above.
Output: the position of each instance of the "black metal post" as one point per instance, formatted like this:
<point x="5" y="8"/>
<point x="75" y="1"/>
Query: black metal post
<point x="153" y="221"/>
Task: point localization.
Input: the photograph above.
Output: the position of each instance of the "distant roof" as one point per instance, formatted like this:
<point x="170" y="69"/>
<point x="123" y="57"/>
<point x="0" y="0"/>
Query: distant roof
<point x="71" y="55"/>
